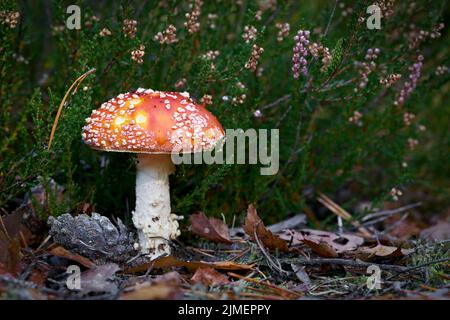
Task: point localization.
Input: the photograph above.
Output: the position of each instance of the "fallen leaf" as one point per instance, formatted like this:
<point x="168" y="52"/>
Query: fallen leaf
<point x="63" y="253"/>
<point x="209" y="277"/>
<point x="382" y="251"/>
<point x="301" y="274"/>
<point x="172" y="278"/>
<point x="149" y="291"/>
<point x="229" y="265"/>
<point x="164" y="286"/>
<point x="323" y="249"/>
<point x="404" y="229"/>
<point x="290" y="223"/>
<point x="12" y="225"/>
<point x="438" y="232"/>
<point x="210" y="228"/>
<point x="13" y="256"/>
<point x="171" y="261"/>
<point x="254" y="225"/>
<point x="13" y="236"/>
<point x="281" y="291"/>
<point x="38" y="276"/>
<point x="340" y="243"/>
<point x="98" y="279"/>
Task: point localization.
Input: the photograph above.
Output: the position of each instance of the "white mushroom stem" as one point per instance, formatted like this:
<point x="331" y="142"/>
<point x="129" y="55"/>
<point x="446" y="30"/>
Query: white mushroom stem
<point x="152" y="217"/>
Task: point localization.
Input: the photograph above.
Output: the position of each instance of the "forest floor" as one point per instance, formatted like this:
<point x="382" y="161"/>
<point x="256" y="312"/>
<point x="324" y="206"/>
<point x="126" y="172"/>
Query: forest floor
<point x="386" y="255"/>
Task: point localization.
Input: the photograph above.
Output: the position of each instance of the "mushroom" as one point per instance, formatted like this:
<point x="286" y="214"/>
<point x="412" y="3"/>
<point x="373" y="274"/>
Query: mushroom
<point x="153" y="124"/>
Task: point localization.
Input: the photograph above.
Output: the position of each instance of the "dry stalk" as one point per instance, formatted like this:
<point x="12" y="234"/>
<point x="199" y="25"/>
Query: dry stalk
<point x="75" y="85"/>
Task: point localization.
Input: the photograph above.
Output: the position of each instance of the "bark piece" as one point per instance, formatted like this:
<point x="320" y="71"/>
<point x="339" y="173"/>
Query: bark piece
<point x="63" y="253"/>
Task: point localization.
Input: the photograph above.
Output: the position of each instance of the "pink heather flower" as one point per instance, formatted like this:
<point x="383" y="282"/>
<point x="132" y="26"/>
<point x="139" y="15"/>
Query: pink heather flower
<point x="411" y="84"/>
<point x="129" y="28"/>
<point x="283" y="30"/>
<point x="396" y="193"/>
<point x="366" y="67"/>
<point x="167" y="36"/>
<point x="192" y="23"/>
<point x="250" y="34"/>
<point x="252" y="63"/>
<point x="257" y="114"/>
<point x="10" y="18"/>
<point x="137" y="54"/>
<point x="390" y="80"/>
<point x="441" y="70"/>
<point x="300" y="51"/>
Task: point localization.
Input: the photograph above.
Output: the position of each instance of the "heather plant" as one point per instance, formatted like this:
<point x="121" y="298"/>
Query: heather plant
<point x="361" y="112"/>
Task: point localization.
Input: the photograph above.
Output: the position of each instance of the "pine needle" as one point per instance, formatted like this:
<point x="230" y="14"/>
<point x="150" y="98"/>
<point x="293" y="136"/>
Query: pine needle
<point x="341" y="212"/>
<point x="75" y="84"/>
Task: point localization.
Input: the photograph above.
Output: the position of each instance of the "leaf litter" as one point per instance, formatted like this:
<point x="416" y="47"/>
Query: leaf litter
<point x="282" y="261"/>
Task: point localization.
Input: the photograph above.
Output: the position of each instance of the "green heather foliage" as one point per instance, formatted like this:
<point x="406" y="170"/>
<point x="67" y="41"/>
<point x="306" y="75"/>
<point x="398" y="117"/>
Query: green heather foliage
<point x="320" y="149"/>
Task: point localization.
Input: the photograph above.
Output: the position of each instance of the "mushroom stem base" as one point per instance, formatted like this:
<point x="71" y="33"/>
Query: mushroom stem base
<point x="152" y="218"/>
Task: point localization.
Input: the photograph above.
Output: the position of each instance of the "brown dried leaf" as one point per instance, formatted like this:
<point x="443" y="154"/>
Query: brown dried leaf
<point x="253" y="224"/>
<point x="209" y="277"/>
<point x="12" y="233"/>
<point x="210" y="228"/>
<point x="169" y="278"/>
<point x="64" y="253"/>
<point x="171" y="261"/>
<point x="229" y="265"/>
<point x="13" y="236"/>
<point x="164" y="286"/>
<point x="160" y="291"/>
<point x="38" y="276"/>
<point x="12" y="225"/>
<point x="340" y="243"/>
<point x="323" y="249"/>
<point x="10" y="257"/>
<point x="404" y="229"/>
<point x="382" y="251"/>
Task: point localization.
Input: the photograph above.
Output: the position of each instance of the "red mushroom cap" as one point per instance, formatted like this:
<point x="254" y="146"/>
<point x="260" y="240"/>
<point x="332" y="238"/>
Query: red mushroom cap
<point x="147" y="121"/>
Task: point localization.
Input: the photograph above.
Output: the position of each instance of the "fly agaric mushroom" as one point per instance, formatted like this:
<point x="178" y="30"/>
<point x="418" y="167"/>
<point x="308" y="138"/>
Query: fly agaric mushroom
<point x="153" y="124"/>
